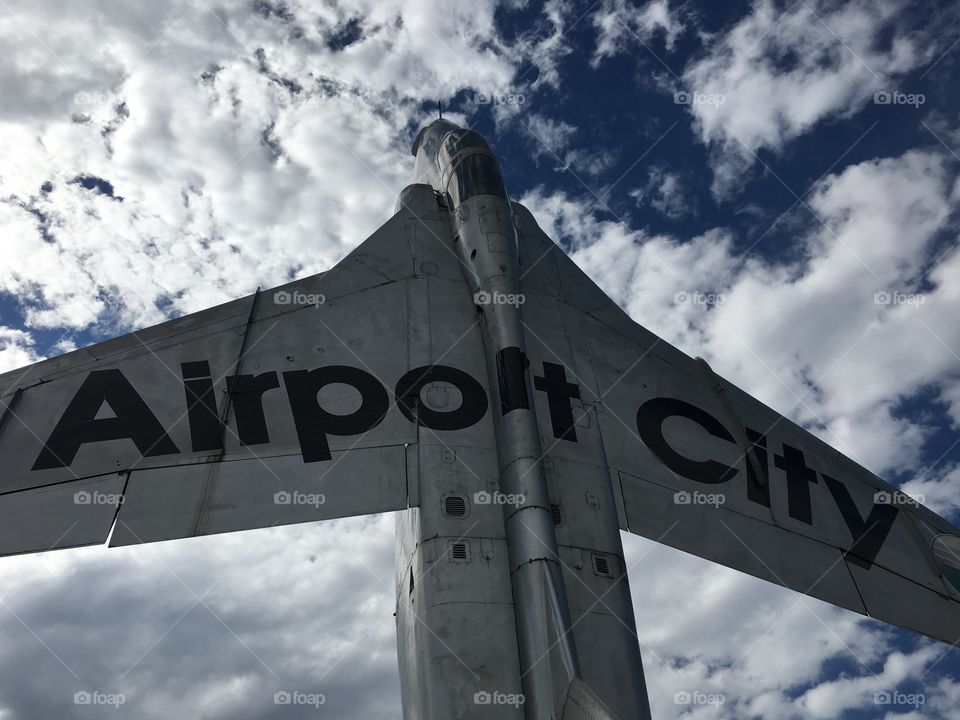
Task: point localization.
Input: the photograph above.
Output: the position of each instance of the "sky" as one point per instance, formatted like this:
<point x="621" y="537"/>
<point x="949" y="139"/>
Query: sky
<point x="773" y="186"/>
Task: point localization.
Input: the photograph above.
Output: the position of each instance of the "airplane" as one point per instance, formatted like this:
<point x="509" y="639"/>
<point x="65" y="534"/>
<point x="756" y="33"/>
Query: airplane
<point x="459" y="369"/>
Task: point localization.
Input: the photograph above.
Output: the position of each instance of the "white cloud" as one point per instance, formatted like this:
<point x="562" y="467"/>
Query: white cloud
<point x="831" y="698"/>
<point x="207" y="627"/>
<point x="666" y="192"/>
<point x="221" y="131"/>
<point x="552" y="139"/>
<point x="16" y="349"/>
<point x="782" y="72"/>
<point x="937" y="488"/>
<point x="622" y="27"/>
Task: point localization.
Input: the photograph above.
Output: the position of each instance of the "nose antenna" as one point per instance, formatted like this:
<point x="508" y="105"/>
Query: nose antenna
<point x="440" y="109"/>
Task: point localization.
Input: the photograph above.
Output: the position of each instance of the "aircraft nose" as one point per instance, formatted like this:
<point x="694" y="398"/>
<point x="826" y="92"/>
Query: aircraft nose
<point x="457" y="162"/>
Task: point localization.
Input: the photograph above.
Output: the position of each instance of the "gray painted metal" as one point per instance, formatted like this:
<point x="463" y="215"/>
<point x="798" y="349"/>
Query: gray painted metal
<point x="507" y="607"/>
<point x="459" y="164"/>
<point x="72" y="514"/>
<point x="456" y="632"/>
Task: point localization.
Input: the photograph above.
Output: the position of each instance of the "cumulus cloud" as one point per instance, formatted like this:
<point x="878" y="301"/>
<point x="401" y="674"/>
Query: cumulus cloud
<point x="665" y="192"/>
<point x="221" y="131"/>
<point x="553" y="140"/>
<point x="207" y="627"/>
<point x="621" y="26"/>
<point x="16" y="349"/>
<point x="786" y="67"/>
<point x="937" y="488"/>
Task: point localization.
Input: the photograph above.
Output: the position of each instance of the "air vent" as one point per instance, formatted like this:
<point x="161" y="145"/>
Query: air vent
<point x="557" y="514"/>
<point x="460" y="551"/>
<point x="455" y="505"/>
<point x="601" y="566"/>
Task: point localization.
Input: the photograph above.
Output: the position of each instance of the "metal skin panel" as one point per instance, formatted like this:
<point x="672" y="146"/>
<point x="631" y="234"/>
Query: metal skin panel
<point x="722" y="535"/>
<point x="702" y="466"/>
<point x="170" y="503"/>
<point x="455" y="628"/>
<point x="456" y="634"/>
<point x="64" y="516"/>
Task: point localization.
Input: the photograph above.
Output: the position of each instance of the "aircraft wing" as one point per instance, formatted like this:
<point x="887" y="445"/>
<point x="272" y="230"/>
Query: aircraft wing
<point x="273" y="409"/>
<point x="698" y="464"/>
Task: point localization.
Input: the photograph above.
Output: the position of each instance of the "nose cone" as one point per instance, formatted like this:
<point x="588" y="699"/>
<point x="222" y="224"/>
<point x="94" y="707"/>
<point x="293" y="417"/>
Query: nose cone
<point x="426" y="149"/>
<point x="457" y="162"/>
<point x="430" y="135"/>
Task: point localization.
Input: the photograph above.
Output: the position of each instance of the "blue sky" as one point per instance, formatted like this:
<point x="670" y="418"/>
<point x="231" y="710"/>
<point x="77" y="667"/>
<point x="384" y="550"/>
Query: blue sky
<point x="793" y="159"/>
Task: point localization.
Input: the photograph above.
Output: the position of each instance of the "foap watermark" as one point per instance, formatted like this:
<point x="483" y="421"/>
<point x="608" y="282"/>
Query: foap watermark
<point x="914" y="700"/>
<point x="885" y="297"/>
<point x="883" y="497"/>
<point x="95" y="697"/>
<point x="895" y="97"/>
<point x="690" y="97"/>
<point x="482" y="297"/>
<point x="282" y="297"/>
<point x="696" y="297"/>
<point x="498" y="498"/>
<point x="296" y="697"/>
<point x="696" y="697"/>
<point x="299" y="498"/>
<point x="698" y="498"/>
<point x="89" y="98"/>
<point x="484" y="697"/>
<point x="499" y="98"/>
<point x="85" y="497"/>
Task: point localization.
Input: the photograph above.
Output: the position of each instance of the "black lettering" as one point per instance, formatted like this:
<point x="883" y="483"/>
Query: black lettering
<point x="473" y="405"/>
<point x="314" y="423"/>
<point x="758" y="486"/>
<point x="206" y="430"/>
<point x="247" y="396"/>
<point x="868" y="536"/>
<point x="133" y="420"/>
<point x="512" y="377"/>
<point x="559" y="391"/>
<point x="799" y="479"/>
<point x="650" y="418"/>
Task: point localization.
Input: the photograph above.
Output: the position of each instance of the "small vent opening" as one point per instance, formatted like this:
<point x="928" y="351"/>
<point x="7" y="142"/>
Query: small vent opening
<point x="601" y="566"/>
<point x="459" y="551"/>
<point x="557" y="514"/>
<point x="455" y="505"/>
